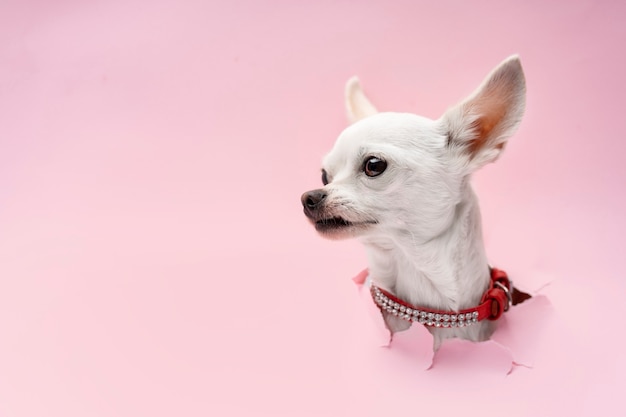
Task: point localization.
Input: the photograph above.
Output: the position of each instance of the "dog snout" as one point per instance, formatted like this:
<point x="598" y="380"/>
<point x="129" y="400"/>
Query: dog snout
<point x="312" y="200"/>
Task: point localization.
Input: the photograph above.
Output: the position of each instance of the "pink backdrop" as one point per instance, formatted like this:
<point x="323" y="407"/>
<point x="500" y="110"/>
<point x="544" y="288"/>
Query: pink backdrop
<point x="154" y="260"/>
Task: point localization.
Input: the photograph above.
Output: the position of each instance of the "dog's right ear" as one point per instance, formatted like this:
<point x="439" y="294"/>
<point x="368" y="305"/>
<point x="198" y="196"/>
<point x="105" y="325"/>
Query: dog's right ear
<point x="358" y="105"/>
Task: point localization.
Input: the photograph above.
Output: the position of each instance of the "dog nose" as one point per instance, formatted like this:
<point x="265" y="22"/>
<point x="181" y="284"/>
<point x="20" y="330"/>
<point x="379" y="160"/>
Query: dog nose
<point x="312" y="199"/>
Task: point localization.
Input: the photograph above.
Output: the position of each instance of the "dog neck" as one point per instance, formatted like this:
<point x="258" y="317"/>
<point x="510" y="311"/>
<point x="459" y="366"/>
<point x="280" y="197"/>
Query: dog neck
<point x="447" y="272"/>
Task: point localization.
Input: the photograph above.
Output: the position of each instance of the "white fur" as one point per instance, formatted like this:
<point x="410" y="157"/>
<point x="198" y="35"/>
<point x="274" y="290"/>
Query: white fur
<point x="426" y="245"/>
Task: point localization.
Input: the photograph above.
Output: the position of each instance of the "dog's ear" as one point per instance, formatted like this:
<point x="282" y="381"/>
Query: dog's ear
<point x="358" y="105"/>
<point x="479" y="127"/>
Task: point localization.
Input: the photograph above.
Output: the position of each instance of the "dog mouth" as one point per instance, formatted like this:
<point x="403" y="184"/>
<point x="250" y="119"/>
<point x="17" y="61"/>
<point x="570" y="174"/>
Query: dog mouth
<point x="331" y="224"/>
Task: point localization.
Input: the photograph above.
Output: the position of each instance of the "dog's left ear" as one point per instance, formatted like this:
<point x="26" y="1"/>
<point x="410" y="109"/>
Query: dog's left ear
<point x="479" y="127"/>
<point x="358" y="105"/>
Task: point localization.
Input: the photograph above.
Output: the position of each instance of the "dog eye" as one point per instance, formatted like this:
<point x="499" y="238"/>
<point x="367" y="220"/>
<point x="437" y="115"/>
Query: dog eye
<point x="324" y="177"/>
<point x="374" y="167"/>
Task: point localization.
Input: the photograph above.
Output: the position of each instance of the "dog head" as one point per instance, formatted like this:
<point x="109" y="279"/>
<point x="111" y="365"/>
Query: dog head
<point x="392" y="174"/>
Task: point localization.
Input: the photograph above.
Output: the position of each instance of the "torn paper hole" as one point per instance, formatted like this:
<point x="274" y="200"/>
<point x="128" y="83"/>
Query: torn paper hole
<point x="515" y="342"/>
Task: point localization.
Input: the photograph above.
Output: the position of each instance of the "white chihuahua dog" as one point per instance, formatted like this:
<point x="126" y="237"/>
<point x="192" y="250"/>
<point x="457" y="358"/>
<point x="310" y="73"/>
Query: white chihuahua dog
<point x="401" y="184"/>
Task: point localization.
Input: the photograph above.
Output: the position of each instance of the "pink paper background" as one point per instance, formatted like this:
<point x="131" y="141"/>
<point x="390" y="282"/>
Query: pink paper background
<point x="154" y="260"/>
